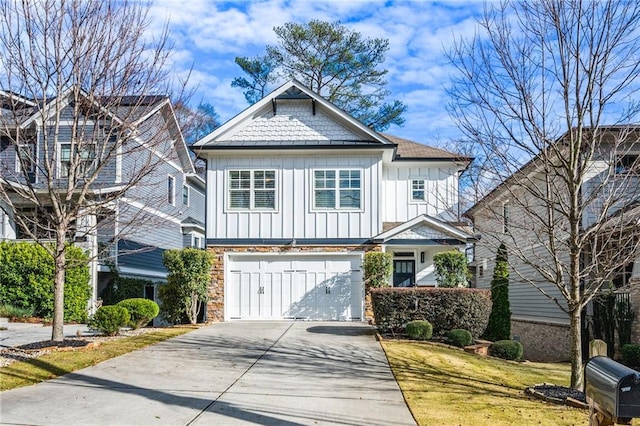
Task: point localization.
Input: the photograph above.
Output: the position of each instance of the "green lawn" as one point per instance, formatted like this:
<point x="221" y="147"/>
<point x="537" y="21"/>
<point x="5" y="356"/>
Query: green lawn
<point x="55" y="364"/>
<point x="446" y="386"/>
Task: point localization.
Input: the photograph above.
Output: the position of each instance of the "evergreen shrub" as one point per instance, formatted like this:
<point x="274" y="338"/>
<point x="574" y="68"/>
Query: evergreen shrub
<point x="631" y="355"/>
<point x="506" y="349"/>
<point x="419" y="330"/>
<point x="459" y="337"/>
<point x="444" y="308"/>
<point x="109" y="319"/>
<point x="140" y="310"/>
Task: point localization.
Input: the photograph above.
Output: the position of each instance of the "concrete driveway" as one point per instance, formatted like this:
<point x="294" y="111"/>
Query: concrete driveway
<point x="266" y="373"/>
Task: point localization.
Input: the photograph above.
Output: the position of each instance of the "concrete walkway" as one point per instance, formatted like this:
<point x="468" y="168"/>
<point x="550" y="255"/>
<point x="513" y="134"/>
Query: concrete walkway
<point x="19" y="333"/>
<point x="266" y="373"/>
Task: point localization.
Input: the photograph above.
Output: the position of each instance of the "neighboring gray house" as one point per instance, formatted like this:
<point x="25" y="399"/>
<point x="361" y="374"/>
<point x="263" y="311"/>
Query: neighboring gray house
<point x="134" y="151"/>
<point x="298" y="191"/>
<point x="512" y="215"/>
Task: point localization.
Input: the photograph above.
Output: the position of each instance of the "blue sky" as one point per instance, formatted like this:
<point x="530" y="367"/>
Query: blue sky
<point x="209" y="34"/>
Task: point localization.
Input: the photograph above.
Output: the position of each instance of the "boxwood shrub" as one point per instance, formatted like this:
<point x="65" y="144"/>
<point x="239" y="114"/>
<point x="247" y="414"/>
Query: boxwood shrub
<point x="419" y="330"/>
<point x="141" y="311"/>
<point x="506" y="349"/>
<point x="109" y="319"/>
<point x="444" y="308"/>
<point x="459" y="337"/>
<point x="631" y="355"/>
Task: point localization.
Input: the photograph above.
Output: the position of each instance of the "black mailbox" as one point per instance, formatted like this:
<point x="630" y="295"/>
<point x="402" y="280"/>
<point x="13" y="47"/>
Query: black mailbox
<point x="612" y="388"/>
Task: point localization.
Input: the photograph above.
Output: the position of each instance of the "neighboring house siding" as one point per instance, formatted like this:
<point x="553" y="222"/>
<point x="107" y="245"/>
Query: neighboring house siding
<point x="440" y="189"/>
<point x="294" y="216"/>
<point x="147" y="227"/>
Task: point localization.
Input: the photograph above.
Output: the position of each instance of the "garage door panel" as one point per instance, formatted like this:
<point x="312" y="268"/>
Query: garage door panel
<point x="310" y="287"/>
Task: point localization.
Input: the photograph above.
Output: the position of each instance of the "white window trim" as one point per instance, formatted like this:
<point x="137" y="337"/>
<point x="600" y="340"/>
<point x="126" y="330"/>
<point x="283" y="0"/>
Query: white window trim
<point x="411" y="199"/>
<point x="227" y="190"/>
<point x="171" y="202"/>
<point x="337" y="189"/>
<point x="188" y="203"/>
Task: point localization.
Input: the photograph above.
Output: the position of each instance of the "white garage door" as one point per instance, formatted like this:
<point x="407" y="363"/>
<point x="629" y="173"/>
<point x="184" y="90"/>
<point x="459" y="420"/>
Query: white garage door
<point x="327" y="287"/>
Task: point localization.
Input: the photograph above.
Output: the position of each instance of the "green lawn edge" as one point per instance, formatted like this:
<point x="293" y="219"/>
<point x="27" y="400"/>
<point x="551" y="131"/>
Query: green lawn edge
<point x="59" y="363"/>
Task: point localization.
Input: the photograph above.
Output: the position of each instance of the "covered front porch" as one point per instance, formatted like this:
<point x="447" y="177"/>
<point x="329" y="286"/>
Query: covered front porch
<point x="414" y="245"/>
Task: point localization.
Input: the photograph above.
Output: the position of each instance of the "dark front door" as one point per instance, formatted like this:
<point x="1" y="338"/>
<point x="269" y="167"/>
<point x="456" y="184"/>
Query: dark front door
<point x="404" y="273"/>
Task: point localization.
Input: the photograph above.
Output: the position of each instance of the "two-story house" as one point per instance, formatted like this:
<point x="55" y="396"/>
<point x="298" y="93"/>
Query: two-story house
<point x="528" y="212"/>
<point x="297" y="192"/>
<point x="123" y="159"/>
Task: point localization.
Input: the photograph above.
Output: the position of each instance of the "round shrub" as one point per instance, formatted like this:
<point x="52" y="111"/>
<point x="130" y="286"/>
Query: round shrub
<point x="506" y="349"/>
<point x="631" y="355"/>
<point x="141" y="311"/>
<point x="419" y="330"/>
<point x="459" y="337"/>
<point x="109" y="319"/>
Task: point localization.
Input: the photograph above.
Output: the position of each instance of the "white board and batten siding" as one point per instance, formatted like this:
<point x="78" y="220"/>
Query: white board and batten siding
<point x="441" y="189"/>
<point x="294" y="286"/>
<point x="294" y="215"/>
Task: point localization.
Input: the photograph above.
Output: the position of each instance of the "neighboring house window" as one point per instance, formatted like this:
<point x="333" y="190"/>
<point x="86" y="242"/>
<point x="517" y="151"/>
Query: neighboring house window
<point x="84" y="158"/>
<point x="197" y="242"/>
<point x="505" y="218"/>
<point x="185" y="195"/>
<point x="171" y="190"/>
<point x="252" y="189"/>
<point x="417" y="190"/>
<point x="336" y="189"/>
<point x="627" y="164"/>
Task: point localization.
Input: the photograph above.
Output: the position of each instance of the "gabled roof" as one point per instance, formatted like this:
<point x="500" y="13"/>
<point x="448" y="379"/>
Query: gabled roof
<point x="292" y="90"/>
<point x="429" y="221"/>
<point x="530" y="165"/>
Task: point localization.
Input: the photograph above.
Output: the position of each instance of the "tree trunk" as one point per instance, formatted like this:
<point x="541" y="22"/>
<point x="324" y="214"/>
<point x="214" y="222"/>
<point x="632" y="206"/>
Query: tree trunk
<point x="576" y="349"/>
<point x="57" y="332"/>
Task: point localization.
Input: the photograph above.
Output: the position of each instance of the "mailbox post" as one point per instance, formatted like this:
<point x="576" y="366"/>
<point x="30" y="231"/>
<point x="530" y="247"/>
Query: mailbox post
<point x="612" y="391"/>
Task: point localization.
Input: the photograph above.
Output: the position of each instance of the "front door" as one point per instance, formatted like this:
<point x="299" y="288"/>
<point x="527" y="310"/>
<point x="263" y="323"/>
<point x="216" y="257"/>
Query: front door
<point x="404" y="273"/>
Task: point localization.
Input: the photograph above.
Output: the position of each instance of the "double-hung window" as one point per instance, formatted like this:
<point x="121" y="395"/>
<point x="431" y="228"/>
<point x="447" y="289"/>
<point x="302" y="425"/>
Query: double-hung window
<point x="337" y="189"/>
<point x="629" y="163"/>
<point x="185" y="195"/>
<point x="83" y="158"/>
<point x="171" y="190"/>
<point x="418" y="192"/>
<point x="252" y="189"/>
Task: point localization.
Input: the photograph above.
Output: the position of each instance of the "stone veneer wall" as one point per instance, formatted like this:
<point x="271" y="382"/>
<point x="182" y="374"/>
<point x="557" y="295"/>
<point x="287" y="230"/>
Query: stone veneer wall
<point x="541" y="341"/>
<point x="215" y="305"/>
<point x="634" y="297"/>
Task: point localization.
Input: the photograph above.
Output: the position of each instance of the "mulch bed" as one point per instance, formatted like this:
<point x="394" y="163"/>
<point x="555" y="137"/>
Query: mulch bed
<point x="558" y="395"/>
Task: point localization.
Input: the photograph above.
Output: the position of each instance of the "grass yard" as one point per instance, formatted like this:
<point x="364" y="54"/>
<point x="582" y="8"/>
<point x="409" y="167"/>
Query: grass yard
<point x="445" y="386"/>
<point x="55" y="364"/>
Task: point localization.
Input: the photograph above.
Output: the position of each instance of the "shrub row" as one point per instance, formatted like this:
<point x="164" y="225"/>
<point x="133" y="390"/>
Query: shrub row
<point x="445" y="309"/>
<point x="506" y="349"/>
<point x="121" y="288"/>
<point x="130" y="312"/>
<point x="631" y="355"/>
<point x="459" y="337"/>
<point x="26" y="280"/>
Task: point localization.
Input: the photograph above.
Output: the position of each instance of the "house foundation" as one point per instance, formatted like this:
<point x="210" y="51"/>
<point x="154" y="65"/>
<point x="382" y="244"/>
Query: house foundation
<point x="542" y="342"/>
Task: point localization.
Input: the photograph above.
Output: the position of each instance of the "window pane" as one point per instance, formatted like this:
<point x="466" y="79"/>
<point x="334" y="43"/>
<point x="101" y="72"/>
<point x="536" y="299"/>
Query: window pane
<point x="325" y="199"/>
<point x="170" y="189"/>
<point x="418" y="195"/>
<point x="265" y="199"/>
<point x="185" y="194"/>
<point x="239" y="199"/>
<point x="239" y="179"/>
<point x="65" y="152"/>
<point x="350" y="198"/>
<point x="349" y="178"/>
<point x="270" y="179"/>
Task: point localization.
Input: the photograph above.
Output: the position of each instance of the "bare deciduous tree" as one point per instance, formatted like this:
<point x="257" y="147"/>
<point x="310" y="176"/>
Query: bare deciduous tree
<point x="547" y="88"/>
<point x="83" y="112"/>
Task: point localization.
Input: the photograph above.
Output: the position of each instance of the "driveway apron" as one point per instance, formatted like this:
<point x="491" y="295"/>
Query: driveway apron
<point x="266" y="373"/>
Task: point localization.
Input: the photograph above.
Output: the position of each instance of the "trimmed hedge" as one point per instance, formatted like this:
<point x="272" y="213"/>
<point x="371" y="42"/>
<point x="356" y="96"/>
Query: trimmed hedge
<point x="419" y="330"/>
<point x="506" y="349"/>
<point x="121" y="288"/>
<point x="109" y="319"/>
<point x="141" y="311"/>
<point x="26" y="280"/>
<point x="631" y="355"/>
<point x="459" y="337"/>
<point x="444" y="308"/>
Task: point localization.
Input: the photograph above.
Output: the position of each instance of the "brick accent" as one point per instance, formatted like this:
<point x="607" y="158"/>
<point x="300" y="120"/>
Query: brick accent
<point x="215" y="305"/>
<point x="543" y="342"/>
